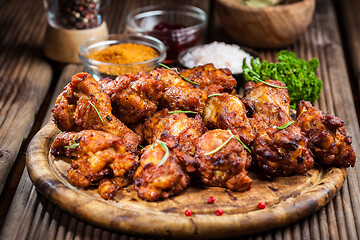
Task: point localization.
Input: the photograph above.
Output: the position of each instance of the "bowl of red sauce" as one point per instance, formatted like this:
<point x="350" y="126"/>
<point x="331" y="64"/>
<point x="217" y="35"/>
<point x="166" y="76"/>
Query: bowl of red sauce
<point x="178" y="27"/>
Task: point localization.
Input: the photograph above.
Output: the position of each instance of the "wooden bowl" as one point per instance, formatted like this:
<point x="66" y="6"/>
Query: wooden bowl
<point x="265" y="27"/>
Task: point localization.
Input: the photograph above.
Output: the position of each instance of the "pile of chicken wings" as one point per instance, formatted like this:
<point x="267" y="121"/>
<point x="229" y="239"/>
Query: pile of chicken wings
<point x="162" y="129"/>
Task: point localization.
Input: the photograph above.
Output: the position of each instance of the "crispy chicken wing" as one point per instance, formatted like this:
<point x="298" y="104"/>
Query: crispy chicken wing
<point x="226" y="167"/>
<point x="97" y="157"/>
<point x="177" y="128"/>
<point x="226" y="111"/>
<point x="210" y="79"/>
<point x="271" y="104"/>
<point x="179" y="94"/>
<point x="83" y="105"/>
<point x="178" y="131"/>
<point x="282" y="152"/>
<point x="154" y="182"/>
<point x="134" y="97"/>
<point x="327" y="137"/>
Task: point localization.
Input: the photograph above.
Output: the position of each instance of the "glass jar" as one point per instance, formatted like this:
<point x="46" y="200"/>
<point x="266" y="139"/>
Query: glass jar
<point x="75" y="14"/>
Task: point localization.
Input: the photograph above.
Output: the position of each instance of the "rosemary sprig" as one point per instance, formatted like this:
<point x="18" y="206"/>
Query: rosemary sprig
<point x="74" y="145"/>
<point x="166" y="149"/>
<point x="171" y="112"/>
<point x="213" y="95"/>
<point x="226" y="142"/>
<point x="285" y="125"/>
<point x="269" y="84"/>
<point x="220" y="147"/>
<point x="175" y="70"/>
<point x="241" y="142"/>
<point x="96" y="111"/>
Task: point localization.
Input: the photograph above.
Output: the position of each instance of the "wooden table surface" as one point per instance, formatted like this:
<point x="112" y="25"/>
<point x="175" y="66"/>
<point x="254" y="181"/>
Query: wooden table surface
<point x="29" y="84"/>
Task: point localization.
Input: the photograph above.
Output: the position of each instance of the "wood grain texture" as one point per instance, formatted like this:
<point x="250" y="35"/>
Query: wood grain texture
<point x="25" y="77"/>
<point x="349" y="21"/>
<point x="27" y="212"/>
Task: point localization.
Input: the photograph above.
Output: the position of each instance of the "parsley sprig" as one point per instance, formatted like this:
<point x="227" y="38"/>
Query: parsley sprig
<point x="298" y="75"/>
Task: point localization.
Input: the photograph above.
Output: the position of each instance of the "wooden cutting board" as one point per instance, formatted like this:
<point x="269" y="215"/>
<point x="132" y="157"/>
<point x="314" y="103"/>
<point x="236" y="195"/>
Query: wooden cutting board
<point x="288" y="199"/>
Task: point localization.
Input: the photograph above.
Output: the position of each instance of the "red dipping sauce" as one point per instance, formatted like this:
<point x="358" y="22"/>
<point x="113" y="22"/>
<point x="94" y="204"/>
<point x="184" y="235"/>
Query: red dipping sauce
<point x="176" y="38"/>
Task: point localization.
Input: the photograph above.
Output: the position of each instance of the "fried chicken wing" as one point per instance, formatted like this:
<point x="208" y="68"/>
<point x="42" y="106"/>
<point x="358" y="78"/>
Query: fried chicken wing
<point x="134" y="97"/>
<point x="178" y="131"/>
<point x="271" y="104"/>
<point x="154" y="182"/>
<point x="327" y="137"/>
<point x="282" y="152"/>
<point x="175" y="127"/>
<point x="227" y="166"/>
<point x="179" y="94"/>
<point x="97" y="157"/>
<point x="83" y="105"/>
<point x="226" y="111"/>
<point x="212" y="80"/>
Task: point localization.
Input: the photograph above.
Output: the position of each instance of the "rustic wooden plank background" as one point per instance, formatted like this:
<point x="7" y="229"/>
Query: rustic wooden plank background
<point x="21" y="62"/>
<point x="31" y="216"/>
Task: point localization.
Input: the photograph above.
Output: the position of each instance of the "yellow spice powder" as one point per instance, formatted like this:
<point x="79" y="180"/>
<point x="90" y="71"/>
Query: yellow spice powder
<point x="125" y="53"/>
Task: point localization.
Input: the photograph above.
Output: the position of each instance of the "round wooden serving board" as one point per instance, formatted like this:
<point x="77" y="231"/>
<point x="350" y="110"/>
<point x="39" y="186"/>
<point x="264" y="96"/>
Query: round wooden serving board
<point x="288" y="199"/>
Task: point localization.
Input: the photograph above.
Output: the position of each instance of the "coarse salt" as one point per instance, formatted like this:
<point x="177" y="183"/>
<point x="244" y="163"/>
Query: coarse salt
<point x="220" y="54"/>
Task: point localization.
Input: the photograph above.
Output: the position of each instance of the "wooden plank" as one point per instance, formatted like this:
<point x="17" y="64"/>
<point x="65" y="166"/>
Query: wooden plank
<point x="349" y="21"/>
<point x="25" y="78"/>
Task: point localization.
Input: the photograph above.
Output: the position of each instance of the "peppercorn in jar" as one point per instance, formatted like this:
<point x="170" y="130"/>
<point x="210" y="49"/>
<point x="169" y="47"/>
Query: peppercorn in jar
<point x="75" y="14"/>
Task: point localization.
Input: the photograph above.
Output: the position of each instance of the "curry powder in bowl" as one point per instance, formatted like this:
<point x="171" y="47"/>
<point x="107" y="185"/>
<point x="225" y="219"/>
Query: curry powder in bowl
<point x="114" y="55"/>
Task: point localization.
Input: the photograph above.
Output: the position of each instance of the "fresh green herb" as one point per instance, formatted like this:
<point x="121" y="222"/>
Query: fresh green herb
<point x="140" y="146"/>
<point x="213" y="95"/>
<point x="285" y="125"/>
<point x="220" y="147"/>
<point x="166" y="149"/>
<point x="226" y="142"/>
<point x="175" y="70"/>
<point x="74" y="145"/>
<point x="171" y="112"/>
<point x="298" y="75"/>
<point x="241" y="142"/>
<point x="96" y="111"/>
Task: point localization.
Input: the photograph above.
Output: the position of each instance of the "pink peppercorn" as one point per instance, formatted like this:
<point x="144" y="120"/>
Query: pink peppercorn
<point x="219" y="212"/>
<point x="261" y="205"/>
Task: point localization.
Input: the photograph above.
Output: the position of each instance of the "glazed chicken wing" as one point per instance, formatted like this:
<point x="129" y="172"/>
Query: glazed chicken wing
<point x="83" y="105"/>
<point x="271" y="104"/>
<point x="327" y="137"/>
<point x="226" y="111"/>
<point x="134" y="97"/>
<point x="282" y="152"/>
<point x="227" y="166"/>
<point x="212" y="80"/>
<point x="153" y="181"/>
<point x="175" y="127"/>
<point x="97" y="157"/>
<point x="179" y="94"/>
